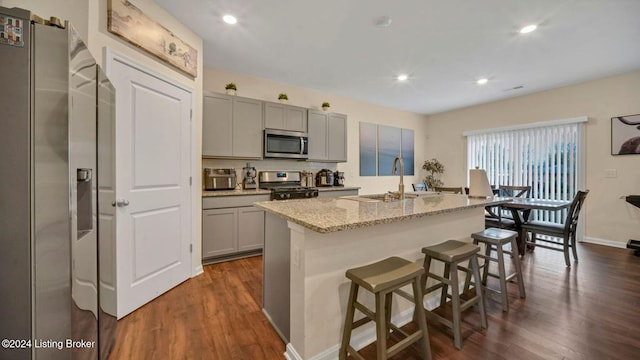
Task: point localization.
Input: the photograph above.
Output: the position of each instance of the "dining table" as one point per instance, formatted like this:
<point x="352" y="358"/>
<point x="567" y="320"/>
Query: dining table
<point x="520" y="209"/>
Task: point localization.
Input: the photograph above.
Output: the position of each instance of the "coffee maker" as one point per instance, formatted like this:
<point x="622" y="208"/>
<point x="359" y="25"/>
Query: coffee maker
<point x="338" y="178"/>
<point x="249" y="180"/>
<point x="324" y="177"/>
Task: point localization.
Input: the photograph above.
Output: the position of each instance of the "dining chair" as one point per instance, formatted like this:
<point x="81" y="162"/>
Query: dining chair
<point x="450" y="190"/>
<point x="514" y="191"/>
<point x="503" y="219"/>
<point x="566" y="231"/>
<point x="419" y="187"/>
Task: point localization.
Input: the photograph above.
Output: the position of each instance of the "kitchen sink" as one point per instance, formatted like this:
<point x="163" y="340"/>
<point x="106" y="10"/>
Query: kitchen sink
<point x="381" y="196"/>
<point x="377" y="197"/>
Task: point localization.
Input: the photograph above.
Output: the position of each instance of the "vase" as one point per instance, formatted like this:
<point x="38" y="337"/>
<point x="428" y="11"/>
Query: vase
<point x="325" y="108"/>
<point x="284" y="101"/>
<point x="231" y="92"/>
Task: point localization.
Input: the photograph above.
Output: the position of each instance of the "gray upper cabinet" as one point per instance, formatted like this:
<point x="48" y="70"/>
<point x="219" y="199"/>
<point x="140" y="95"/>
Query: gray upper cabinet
<point x="337" y="137"/>
<point x="231" y="127"/>
<point x="285" y="117"/>
<point x="217" y="126"/>
<point x="327" y="136"/>
<point x="318" y="145"/>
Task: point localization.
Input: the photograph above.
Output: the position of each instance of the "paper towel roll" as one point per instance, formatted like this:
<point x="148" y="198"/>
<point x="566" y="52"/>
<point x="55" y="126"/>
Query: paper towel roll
<point x="479" y="183"/>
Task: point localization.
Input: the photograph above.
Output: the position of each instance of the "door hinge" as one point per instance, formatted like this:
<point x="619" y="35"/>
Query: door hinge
<point x="190" y="180"/>
<point x="191" y="114"/>
<point x="191" y="248"/>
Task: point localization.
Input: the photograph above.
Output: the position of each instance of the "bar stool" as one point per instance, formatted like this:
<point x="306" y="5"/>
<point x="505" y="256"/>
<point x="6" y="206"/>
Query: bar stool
<point x="452" y="253"/>
<point x="382" y="279"/>
<point x="496" y="239"/>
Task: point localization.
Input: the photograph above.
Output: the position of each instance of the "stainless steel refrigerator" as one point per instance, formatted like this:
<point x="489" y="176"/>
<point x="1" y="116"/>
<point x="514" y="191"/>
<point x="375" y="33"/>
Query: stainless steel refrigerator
<point x="56" y="135"/>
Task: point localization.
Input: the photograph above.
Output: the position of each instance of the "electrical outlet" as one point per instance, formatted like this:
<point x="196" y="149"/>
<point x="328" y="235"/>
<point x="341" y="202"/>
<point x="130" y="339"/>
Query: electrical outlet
<point x="610" y="173"/>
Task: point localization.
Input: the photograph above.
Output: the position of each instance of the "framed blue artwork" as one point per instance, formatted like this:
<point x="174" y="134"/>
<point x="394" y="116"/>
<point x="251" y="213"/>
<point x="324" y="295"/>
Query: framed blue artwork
<point x="388" y="148"/>
<point x="380" y="145"/>
<point x="368" y="149"/>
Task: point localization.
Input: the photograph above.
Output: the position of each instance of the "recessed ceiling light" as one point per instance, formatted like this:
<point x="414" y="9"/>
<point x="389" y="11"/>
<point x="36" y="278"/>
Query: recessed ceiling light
<point x="529" y="28"/>
<point x="230" y="19"/>
<point x="402" y="77"/>
<point x="482" y="81"/>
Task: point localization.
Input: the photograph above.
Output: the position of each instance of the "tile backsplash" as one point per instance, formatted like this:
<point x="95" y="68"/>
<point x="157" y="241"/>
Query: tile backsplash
<point x="267" y="164"/>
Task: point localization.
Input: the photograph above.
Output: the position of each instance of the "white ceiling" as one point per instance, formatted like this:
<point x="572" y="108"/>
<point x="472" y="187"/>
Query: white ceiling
<point x="443" y="45"/>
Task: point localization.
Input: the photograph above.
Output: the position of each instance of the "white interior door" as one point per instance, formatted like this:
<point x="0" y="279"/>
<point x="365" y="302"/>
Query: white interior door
<point x="153" y="146"/>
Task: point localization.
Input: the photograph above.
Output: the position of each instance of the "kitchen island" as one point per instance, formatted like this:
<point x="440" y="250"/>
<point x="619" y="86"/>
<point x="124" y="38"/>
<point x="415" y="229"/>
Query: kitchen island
<point x="311" y="243"/>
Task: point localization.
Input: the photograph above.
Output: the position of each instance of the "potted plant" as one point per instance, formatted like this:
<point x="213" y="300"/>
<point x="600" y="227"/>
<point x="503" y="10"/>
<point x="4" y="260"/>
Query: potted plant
<point x="231" y="88"/>
<point x="325" y="106"/>
<point x="435" y="169"/>
<point x="283" y="98"/>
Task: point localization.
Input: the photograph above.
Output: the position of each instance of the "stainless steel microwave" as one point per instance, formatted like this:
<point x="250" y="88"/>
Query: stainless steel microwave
<point x="285" y="144"/>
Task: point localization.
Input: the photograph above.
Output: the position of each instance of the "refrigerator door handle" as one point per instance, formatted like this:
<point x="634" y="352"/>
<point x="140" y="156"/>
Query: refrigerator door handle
<point x="120" y="203"/>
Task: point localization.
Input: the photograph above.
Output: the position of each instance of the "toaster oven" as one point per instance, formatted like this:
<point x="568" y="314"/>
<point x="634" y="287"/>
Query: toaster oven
<point x="220" y="179"/>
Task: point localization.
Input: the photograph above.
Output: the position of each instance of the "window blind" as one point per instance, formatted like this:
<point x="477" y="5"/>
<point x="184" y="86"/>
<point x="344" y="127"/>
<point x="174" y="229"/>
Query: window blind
<point x="543" y="157"/>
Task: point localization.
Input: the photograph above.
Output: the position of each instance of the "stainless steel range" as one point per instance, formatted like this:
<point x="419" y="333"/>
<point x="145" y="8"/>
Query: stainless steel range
<point x="285" y="185"/>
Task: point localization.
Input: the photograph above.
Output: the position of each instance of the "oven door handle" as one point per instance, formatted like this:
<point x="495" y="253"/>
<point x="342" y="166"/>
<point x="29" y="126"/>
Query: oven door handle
<point x="301" y="146"/>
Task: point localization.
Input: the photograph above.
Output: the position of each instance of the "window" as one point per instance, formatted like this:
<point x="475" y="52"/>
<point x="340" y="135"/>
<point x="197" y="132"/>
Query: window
<point x="546" y="156"/>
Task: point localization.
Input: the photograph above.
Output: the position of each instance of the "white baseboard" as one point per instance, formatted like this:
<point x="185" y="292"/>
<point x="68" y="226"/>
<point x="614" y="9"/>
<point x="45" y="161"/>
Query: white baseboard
<point x="362" y="339"/>
<point x="606" y="242"/>
<point x="291" y="353"/>
<point x="197" y="271"/>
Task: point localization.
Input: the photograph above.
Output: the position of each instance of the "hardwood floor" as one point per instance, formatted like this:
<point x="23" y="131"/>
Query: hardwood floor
<point x="588" y="311"/>
<point x="213" y="316"/>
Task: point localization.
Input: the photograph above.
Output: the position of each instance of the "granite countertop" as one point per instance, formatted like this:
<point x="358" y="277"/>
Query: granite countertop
<point x="337" y="188"/>
<point x="240" y="192"/>
<point x="326" y="215"/>
<point x="237" y="192"/>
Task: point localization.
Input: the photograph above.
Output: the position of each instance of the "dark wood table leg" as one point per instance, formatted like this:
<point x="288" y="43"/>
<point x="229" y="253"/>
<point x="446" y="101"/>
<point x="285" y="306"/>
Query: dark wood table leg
<point x="635" y="246"/>
<point x="521" y="234"/>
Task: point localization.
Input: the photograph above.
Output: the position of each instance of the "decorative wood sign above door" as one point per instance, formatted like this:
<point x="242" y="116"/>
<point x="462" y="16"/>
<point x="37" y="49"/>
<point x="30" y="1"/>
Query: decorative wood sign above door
<point x="131" y="24"/>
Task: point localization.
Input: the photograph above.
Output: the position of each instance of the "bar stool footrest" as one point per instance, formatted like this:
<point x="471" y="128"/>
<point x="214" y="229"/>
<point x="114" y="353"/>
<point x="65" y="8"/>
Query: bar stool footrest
<point x="402" y="344"/>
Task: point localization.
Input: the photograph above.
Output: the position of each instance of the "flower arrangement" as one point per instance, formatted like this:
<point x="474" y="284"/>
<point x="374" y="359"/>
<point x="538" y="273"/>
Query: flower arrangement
<point x="283" y="96"/>
<point x="435" y="169"/>
<point x="325" y="106"/>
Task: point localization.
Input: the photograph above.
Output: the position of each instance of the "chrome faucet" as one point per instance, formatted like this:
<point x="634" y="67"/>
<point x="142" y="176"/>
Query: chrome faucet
<point x="393" y="171"/>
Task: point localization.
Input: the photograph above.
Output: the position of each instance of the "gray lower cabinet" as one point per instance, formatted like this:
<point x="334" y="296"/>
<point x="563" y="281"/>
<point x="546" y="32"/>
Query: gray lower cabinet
<point x="231" y="225"/>
<point x="285" y="117"/>
<point x="250" y="228"/>
<point x="327" y="136"/>
<point x="231" y="127"/>
<point x="219" y="232"/>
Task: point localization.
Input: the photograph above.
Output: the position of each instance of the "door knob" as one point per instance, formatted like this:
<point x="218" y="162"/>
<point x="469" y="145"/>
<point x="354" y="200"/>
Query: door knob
<point x="120" y="202"/>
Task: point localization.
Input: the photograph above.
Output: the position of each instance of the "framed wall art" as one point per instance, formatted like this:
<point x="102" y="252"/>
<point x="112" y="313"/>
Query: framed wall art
<point x="130" y="23"/>
<point x="379" y="146"/>
<point x="625" y="135"/>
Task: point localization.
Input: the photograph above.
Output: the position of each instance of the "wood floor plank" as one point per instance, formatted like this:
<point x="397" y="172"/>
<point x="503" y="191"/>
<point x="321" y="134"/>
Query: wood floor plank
<point x="588" y="311"/>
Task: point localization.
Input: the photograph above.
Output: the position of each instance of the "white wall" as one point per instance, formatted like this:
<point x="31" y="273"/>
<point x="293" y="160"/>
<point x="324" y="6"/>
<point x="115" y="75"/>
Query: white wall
<point x="607" y="218"/>
<point x="357" y="111"/>
<point x="89" y="17"/>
